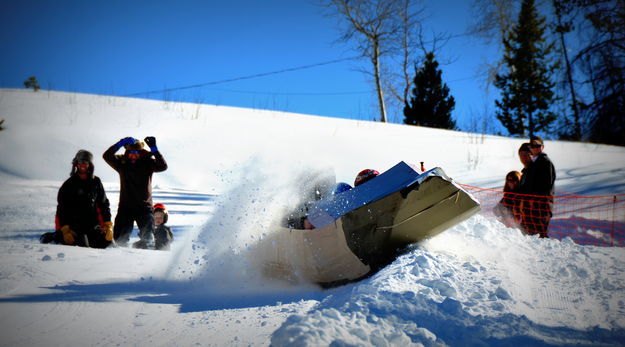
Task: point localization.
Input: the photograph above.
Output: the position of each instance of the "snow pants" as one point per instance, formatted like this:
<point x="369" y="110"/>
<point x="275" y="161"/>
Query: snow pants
<point x="124" y="222"/>
<point x="92" y="237"/>
<point x="85" y="237"/>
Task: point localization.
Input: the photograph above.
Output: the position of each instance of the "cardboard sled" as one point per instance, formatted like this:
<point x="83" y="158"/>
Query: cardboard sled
<point x="359" y="231"/>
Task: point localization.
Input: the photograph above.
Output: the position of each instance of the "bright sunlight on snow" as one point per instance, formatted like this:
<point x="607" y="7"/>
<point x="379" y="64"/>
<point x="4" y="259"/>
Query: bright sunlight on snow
<point x="231" y="173"/>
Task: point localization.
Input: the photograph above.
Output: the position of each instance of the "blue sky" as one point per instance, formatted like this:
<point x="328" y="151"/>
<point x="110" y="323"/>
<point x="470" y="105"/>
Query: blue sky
<point x="127" y="47"/>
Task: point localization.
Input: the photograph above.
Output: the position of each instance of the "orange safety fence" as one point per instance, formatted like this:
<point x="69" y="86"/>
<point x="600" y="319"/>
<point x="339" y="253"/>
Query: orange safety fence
<point x="588" y="220"/>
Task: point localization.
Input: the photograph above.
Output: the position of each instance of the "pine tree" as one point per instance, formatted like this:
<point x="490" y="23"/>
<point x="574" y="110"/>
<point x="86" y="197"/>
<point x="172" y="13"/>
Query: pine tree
<point x="527" y="88"/>
<point x="430" y="104"/>
<point x="31" y="82"/>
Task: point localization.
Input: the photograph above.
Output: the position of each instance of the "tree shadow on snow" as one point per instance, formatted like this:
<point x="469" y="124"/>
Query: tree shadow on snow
<point x="584" y="181"/>
<point x="26" y="235"/>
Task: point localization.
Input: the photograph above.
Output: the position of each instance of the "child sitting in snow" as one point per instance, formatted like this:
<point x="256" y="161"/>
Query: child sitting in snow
<point x="163" y="236"/>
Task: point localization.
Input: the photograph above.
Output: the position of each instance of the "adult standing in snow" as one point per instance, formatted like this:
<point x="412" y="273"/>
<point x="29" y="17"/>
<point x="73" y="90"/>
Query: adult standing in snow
<point x="525" y="155"/>
<point x="135" y="168"/>
<point x="83" y="215"/>
<point x="538" y="180"/>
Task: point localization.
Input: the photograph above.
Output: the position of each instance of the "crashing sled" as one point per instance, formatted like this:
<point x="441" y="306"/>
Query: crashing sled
<point x="361" y="230"/>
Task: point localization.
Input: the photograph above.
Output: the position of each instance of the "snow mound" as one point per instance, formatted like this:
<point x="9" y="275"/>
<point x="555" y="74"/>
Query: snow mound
<point x="479" y="282"/>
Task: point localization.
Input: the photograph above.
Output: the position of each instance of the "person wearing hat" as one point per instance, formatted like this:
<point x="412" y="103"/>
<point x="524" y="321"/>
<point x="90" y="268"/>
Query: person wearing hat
<point x="365" y="176"/>
<point x="163" y="236"/>
<point x="538" y="181"/>
<point x="83" y="215"/>
<point x="135" y="168"/>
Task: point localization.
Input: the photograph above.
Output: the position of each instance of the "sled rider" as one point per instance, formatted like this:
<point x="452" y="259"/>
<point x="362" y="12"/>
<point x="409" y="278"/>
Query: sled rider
<point x="135" y="168"/>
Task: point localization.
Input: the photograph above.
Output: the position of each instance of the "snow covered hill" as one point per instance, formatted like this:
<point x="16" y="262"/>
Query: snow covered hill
<point x="230" y="171"/>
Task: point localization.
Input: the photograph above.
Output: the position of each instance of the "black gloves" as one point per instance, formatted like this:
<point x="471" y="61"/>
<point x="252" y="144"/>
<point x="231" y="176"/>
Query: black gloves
<point x="151" y="142"/>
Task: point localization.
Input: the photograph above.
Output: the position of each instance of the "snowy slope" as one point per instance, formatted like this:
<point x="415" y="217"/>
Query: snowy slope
<point x="230" y="171"/>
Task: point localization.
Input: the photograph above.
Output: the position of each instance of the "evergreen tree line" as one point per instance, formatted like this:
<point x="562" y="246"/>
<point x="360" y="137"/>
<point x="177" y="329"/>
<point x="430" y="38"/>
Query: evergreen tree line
<point x="535" y="55"/>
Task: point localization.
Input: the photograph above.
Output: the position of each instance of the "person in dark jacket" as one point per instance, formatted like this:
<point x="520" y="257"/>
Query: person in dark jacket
<point x="538" y="181"/>
<point x="135" y="168"/>
<point x="163" y="236"/>
<point x="508" y="208"/>
<point x="83" y="215"/>
<point x="525" y="155"/>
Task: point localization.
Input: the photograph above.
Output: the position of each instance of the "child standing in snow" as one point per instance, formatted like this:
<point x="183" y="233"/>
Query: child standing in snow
<point x="163" y="236"/>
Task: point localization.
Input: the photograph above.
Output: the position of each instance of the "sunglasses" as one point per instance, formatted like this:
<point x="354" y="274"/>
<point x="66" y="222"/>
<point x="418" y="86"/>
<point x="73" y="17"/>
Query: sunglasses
<point x="133" y="152"/>
<point x="536" y="145"/>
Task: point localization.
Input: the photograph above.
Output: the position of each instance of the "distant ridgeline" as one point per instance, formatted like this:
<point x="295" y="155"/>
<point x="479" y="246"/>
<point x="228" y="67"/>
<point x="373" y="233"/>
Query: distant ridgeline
<point x="588" y="220"/>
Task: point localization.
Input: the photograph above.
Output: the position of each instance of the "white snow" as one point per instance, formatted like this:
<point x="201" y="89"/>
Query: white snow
<point x="231" y="171"/>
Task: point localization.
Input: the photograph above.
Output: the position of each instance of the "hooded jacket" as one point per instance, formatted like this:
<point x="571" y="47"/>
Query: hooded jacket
<point x="82" y="204"/>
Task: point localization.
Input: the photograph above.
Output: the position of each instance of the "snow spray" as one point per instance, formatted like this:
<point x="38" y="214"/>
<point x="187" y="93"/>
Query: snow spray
<point x="220" y="252"/>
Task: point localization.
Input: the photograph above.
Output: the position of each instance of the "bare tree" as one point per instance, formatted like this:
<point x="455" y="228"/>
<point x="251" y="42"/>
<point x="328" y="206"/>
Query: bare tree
<point x="603" y="55"/>
<point x="563" y="27"/>
<point x="374" y="24"/>
<point x="404" y="46"/>
<point x="409" y="50"/>
<point x="493" y="20"/>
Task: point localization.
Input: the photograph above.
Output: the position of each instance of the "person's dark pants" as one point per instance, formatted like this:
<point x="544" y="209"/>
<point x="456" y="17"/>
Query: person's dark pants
<point x="536" y="218"/>
<point x="124" y="221"/>
<point x="92" y="237"/>
<point x="85" y="237"/>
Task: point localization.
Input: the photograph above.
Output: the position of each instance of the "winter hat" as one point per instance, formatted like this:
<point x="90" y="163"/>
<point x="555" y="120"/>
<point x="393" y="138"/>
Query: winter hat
<point x="161" y="207"/>
<point x="82" y="155"/>
<point x="364" y="176"/>
<point x="137" y="146"/>
<point x="341" y="187"/>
